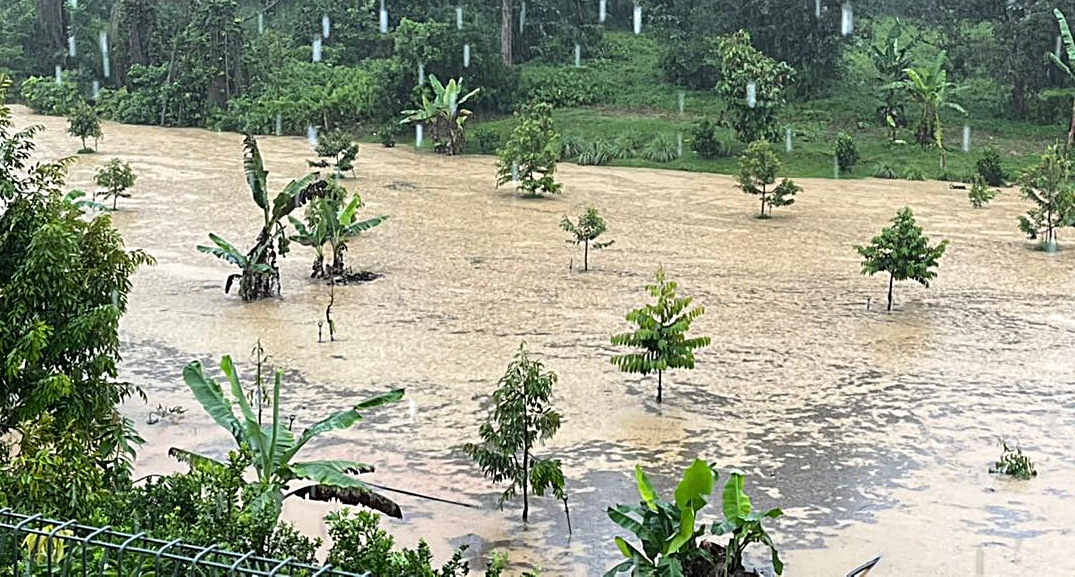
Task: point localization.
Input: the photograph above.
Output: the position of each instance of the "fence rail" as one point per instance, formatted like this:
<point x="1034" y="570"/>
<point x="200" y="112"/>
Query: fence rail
<point x="32" y="546"/>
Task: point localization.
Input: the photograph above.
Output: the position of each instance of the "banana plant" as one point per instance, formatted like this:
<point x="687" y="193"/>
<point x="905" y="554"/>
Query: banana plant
<point x="1069" y="49"/>
<point x="259" y="276"/>
<point x="273" y="447"/>
<point x="744" y="525"/>
<point x="313" y="234"/>
<point x="341" y="226"/>
<point x="930" y="89"/>
<point x="444" y="113"/>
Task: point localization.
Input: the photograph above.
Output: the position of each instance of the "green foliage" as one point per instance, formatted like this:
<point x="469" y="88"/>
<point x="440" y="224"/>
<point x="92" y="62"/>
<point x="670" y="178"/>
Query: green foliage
<point x="744" y="525"/>
<point x="522" y="417"/>
<point x="661" y="333"/>
<point x="272" y="448"/>
<point x="883" y="170"/>
<point x="260" y="277"/>
<point x="115" y="177"/>
<point x="847" y="154"/>
<point x="902" y="251"/>
<point x="139" y="101"/>
<point x="980" y="194"/>
<point x="665" y="530"/>
<point x="83" y="123"/>
<point x="531" y="152"/>
<point x="590" y="225"/>
<point x="661" y="149"/>
<point x="443" y="114"/>
<point x="989" y="167"/>
<point x="739" y="64"/>
<point x="359" y="545"/>
<point x="44" y="96"/>
<point x="595" y="153"/>
<point x="913" y="173"/>
<point x="1069" y="46"/>
<point x="1048" y="186"/>
<point x="929" y="88"/>
<point x="1013" y="462"/>
<point x="704" y="140"/>
<point x="330" y="221"/>
<point x="562" y="87"/>
<point x="627" y="144"/>
<point x="341" y="147"/>
<point x="483" y="140"/>
<point x="758" y="167"/>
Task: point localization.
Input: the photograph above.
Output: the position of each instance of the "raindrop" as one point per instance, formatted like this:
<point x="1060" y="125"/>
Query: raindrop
<point x="835" y="167"/>
<point x="71" y="46"/>
<point x="787" y="140"/>
<point x="602" y="10"/>
<point x="317" y="49"/>
<point x="1059" y="45"/>
<point x="102" y="41"/>
<point x="311" y="135"/>
<point x="522" y="17"/>
<point x="418" y="136"/>
<point x="466" y="56"/>
<point x="59" y="74"/>
<point x="966" y="138"/>
<point x="679" y="145"/>
<point x="326" y="26"/>
<point x="752" y="94"/>
<point x="682" y="98"/>
<point x="638" y="19"/>
<point x="421" y="73"/>
<point x="578" y="56"/>
<point x="817" y="8"/>
<point x="384" y="19"/>
<point x="279" y="123"/>
<point x="459" y="18"/>
<point x="515" y="172"/>
<point x="847" y="20"/>
<point x="261" y="22"/>
<point x="96" y="89"/>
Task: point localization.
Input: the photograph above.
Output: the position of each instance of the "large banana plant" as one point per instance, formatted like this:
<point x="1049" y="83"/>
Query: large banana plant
<point x="444" y="113"/>
<point x="1069" y="48"/>
<point x="929" y="88"/>
<point x="259" y="276"/>
<point x="273" y="447"/>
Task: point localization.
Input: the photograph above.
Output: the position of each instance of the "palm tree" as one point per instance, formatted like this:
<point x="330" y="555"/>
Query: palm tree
<point x="273" y="447"/>
<point x="1069" y="46"/>
<point x="259" y="277"/>
<point x="929" y="88"/>
<point x="445" y="114"/>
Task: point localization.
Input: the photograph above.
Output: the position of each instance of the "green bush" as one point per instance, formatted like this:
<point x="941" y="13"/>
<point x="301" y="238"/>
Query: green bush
<point x="882" y="170"/>
<point x="704" y="140"/>
<point x="627" y="145"/>
<point x="571" y="147"/>
<point x="562" y="87"/>
<point x="913" y="173"/>
<point x="989" y="167"/>
<point x="359" y="545"/>
<point x="44" y="96"/>
<point x="389" y="133"/>
<point x="596" y="153"/>
<point x="847" y="154"/>
<point x="662" y="148"/>
<point x="482" y="140"/>
<point x="140" y="101"/>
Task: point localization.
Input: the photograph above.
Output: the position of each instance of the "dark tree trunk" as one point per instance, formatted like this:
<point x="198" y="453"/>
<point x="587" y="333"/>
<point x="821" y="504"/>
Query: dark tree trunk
<point x="891" y="281"/>
<point x="506" y="25"/>
<point x="52" y="25"/>
<point x="337" y="268"/>
<point x="658" y="386"/>
<point x="1019" y="98"/>
<point x="526" y="464"/>
<point x="585" y="255"/>
<point x="318" y="269"/>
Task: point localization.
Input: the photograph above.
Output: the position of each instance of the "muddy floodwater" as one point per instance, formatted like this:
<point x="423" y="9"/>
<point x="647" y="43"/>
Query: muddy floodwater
<point x="873" y="431"/>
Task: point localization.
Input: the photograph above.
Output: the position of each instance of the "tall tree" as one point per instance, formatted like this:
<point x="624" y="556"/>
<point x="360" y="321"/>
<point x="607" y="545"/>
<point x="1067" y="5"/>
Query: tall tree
<point x="903" y="252"/>
<point x="1049" y="187"/>
<point x="522" y="418"/>
<point x="660" y="333"/>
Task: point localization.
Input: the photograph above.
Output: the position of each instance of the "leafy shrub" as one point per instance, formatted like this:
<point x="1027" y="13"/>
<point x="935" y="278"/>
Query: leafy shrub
<point x="980" y="194"/>
<point x="359" y="545"/>
<point x="571" y="147"/>
<point x="596" y="153"/>
<point x="661" y="149"/>
<point x="627" y="145"/>
<point x="140" y="101"/>
<point x="44" y="96"/>
<point x="1013" y="462"/>
<point x="883" y="170"/>
<point x="989" y="168"/>
<point x="847" y="154"/>
<point x="704" y="140"/>
<point x="483" y="140"/>
<point x="913" y="173"/>
<point x="388" y="134"/>
<point x="562" y="87"/>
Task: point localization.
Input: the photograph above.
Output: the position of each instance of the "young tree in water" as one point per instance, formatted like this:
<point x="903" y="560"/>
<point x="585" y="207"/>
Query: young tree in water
<point x="757" y="172"/>
<point x="532" y="150"/>
<point x="115" y="177"/>
<point x="522" y="418"/>
<point x="903" y="252"/>
<point x="661" y="333"/>
<point x="341" y="148"/>
<point x="260" y="277"/>
<point x="83" y="123"/>
<point x="589" y="226"/>
<point x="1048" y="185"/>
<point x="330" y="221"/>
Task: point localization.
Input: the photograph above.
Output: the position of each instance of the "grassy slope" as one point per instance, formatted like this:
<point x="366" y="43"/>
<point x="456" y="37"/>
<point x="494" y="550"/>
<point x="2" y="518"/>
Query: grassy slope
<point x="644" y="103"/>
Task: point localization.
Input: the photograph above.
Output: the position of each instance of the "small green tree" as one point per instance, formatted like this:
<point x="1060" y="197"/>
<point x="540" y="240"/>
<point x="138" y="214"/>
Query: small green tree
<point x="341" y="147"/>
<point x="83" y="123"/>
<point x="589" y="226"/>
<point x="522" y="418"/>
<point x="115" y="177"/>
<point x="758" y="167"/>
<point x="741" y="64"/>
<point x="903" y="252"/>
<point x="533" y="149"/>
<point x="847" y="154"/>
<point x="661" y="333"/>
<point x="980" y="194"/>
<point x="1048" y="185"/>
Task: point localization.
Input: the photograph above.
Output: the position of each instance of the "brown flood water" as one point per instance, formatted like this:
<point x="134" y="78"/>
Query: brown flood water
<point x="873" y="431"/>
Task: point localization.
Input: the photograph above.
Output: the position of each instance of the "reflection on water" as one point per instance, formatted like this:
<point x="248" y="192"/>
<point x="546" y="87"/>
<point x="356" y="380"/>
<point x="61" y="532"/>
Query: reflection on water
<point x="873" y="431"/>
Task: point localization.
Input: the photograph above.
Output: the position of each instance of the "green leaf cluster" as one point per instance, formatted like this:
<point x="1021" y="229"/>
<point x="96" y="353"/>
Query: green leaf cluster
<point x="739" y="64"/>
<point x="758" y="167"/>
<point x="115" y="177"/>
<point x="531" y="152"/>
<point x="902" y="251"/>
<point x="585" y="231"/>
<point x="330" y="221"/>
<point x="1048" y="186"/>
<point x="443" y="113"/>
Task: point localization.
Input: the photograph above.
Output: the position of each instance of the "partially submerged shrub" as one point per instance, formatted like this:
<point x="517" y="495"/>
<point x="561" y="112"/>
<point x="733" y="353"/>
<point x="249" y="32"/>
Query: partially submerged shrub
<point x="1013" y="462"/>
<point x="980" y="194"/>
<point x="483" y="140"/>
<point x="627" y="145"/>
<point x="882" y="170"/>
<point x="596" y="153"/>
<point x="989" y="168"/>
<point x="847" y="154"/>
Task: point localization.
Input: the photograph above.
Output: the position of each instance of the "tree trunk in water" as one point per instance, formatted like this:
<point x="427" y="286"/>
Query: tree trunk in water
<point x="337" y="268"/>
<point x="658" y="386"/>
<point x="319" y="267"/>
<point x="585" y="256"/>
<point x="526" y="467"/>
<point x="506" y="25"/>
<point x="891" y="281"/>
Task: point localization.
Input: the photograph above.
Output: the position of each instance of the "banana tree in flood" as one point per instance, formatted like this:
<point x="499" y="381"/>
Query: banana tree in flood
<point x="929" y="88"/>
<point x="341" y="226"/>
<point x="443" y="114"/>
<point x="313" y="234"/>
<point x="273" y="447"/>
<point x="259" y="277"/>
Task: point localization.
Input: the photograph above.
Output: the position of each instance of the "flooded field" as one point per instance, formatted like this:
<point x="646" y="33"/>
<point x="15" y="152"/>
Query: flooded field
<point x="873" y="431"/>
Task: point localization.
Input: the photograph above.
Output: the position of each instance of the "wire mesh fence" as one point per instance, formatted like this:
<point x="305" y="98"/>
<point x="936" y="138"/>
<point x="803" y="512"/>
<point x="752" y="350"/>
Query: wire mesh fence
<point x="32" y="546"/>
